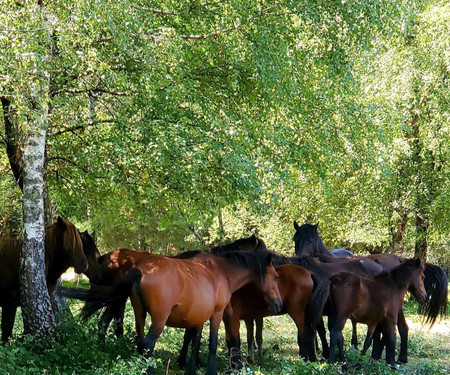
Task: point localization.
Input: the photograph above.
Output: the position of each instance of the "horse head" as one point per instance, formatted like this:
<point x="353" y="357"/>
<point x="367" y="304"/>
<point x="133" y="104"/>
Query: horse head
<point x="269" y="287"/>
<point x="68" y="241"/>
<point x="416" y="285"/>
<point x="92" y="254"/>
<point x="307" y="240"/>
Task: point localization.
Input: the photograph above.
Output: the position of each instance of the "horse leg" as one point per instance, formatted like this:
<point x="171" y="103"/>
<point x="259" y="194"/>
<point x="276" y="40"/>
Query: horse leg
<point x="187" y="338"/>
<point x="232" y="324"/>
<point x="103" y="324"/>
<point x="403" y="332"/>
<point x="8" y="318"/>
<point x="196" y="335"/>
<point x="378" y="344"/>
<point x="250" y="341"/>
<point x="368" y="340"/>
<point x="259" y="337"/>
<point x="118" y="320"/>
<point x="389" y="333"/>
<point x="214" y="323"/>
<point x="336" y="340"/>
<point x="354" y="335"/>
<point x="323" y="339"/>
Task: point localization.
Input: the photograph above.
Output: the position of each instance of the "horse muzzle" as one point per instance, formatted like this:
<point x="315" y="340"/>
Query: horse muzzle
<point x="81" y="267"/>
<point x="275" y="306"/>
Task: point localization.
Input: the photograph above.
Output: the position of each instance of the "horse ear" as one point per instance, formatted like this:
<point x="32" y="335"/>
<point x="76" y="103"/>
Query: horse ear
<point x="316" y="226"/>
<point x="418" y="262"/>
<point x="269" y="259"/>
<point x="296" y="226"/>
<point x="61" y="222"/>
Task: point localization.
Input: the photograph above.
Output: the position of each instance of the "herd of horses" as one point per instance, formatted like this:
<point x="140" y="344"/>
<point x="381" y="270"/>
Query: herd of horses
<point x="242" y="280"/>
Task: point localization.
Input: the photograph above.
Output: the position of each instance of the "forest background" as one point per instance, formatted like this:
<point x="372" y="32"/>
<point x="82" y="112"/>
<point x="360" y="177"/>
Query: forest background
<point x="177" y="125"/>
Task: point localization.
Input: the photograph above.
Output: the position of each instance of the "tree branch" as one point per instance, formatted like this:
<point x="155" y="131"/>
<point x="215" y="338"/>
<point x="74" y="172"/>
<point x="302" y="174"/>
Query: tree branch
<point x="233" y="28"/>
<point x="12" y="144"/>
<point x="156" y="11"/>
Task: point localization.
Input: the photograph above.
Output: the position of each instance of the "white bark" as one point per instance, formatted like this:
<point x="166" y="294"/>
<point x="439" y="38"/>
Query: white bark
<point x="35" y="300"/>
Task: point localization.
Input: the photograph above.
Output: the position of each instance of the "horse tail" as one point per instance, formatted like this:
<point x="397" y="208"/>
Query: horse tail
<point x="98" y="297"/>
<point x="436" y="285"/>
<point x="313" y="316"/>
<point x="314" y="308"/>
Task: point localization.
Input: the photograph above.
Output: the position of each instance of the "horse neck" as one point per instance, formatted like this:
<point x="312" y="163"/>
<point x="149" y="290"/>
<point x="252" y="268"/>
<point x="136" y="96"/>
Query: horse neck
<point x="321" y="249"/>
<point x="237" y="276"/>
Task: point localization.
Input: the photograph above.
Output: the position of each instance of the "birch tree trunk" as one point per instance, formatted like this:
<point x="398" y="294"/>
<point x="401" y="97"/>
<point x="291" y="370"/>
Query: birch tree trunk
<point x="37" y="312"/>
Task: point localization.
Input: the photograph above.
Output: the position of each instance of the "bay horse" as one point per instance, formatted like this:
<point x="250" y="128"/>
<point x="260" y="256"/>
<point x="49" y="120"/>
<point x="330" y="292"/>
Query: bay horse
<point x="112" y="271"/>
<point x="296" y="285"/>
<point x="309" y="243"/>
<point x="63" y="249"/>
<point x="185" y="293"/>
<point x="372" y="301"/>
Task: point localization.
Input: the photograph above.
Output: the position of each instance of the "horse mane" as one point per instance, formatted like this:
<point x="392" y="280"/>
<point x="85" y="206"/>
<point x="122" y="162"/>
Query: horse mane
<point x="400" y="275"/>
<point x="256" y="262"/>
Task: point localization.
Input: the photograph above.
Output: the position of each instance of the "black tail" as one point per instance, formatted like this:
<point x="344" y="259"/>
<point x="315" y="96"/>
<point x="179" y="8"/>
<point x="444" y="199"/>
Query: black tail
<point x="436" y="286"/>
<point x="97" y="296"/>
<point x="320" y="294"/>
<point x="313" y="316"/>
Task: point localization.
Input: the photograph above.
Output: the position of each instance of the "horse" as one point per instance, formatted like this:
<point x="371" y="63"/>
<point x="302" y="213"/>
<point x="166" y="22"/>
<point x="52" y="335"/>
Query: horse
<point x="112" y="274"/>
<point x="296" y="285"/>
<point x="185" y="293"/>
<point x="372" y="301"/>
<point x="308" y="243"/>
<point x="63" y="249"/>
<point x="92" y="254"/>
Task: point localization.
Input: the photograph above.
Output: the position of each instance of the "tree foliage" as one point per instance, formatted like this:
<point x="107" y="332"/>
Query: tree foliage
<point x="195" y="122"/>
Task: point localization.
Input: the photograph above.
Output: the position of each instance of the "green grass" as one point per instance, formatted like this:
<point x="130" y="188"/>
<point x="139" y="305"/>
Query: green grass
<point x="76" y="350"/>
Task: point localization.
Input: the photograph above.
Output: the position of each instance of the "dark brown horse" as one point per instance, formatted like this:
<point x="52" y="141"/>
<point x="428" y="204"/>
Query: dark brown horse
<point x="309" y="244"/>
<point x="372" y="301"/>
<point x="185" y="293"/>
<point x="63" y="249"/>
<point x="296" y="288"/>
<point x="94" y="273"/>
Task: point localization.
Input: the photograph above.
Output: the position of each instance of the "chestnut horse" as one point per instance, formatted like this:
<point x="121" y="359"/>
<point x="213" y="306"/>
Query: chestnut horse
<point x="184" y="293"/>
<point x="296" y="286"/>
<point x="112" y="274"/>
<point x="63" y="249"/>
<point x="372" y="301"/>
<point x="309" y="243"/>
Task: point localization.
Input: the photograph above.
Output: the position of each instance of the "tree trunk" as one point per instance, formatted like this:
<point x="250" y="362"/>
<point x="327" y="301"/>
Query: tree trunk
<point x="37" y="312"/>
<point x="398" y="235"/>
<point x="421" y="245"/>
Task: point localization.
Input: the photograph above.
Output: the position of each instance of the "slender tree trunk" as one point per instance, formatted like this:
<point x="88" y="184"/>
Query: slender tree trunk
<point x="37" y="311"/>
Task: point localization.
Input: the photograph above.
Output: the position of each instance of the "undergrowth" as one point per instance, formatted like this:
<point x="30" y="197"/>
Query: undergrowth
<point x="75" y="349"/>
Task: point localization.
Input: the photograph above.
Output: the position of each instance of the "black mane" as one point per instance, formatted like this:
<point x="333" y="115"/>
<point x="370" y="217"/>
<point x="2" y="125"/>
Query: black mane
<point x="255" y="261"/>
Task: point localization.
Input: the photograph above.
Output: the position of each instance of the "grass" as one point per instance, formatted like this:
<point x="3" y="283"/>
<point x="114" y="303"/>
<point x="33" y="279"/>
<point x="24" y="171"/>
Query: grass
<point x="76" y="350"/>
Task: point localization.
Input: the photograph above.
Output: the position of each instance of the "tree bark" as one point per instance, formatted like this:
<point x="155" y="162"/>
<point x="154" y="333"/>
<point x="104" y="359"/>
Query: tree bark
<point x="37" y="311"/>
